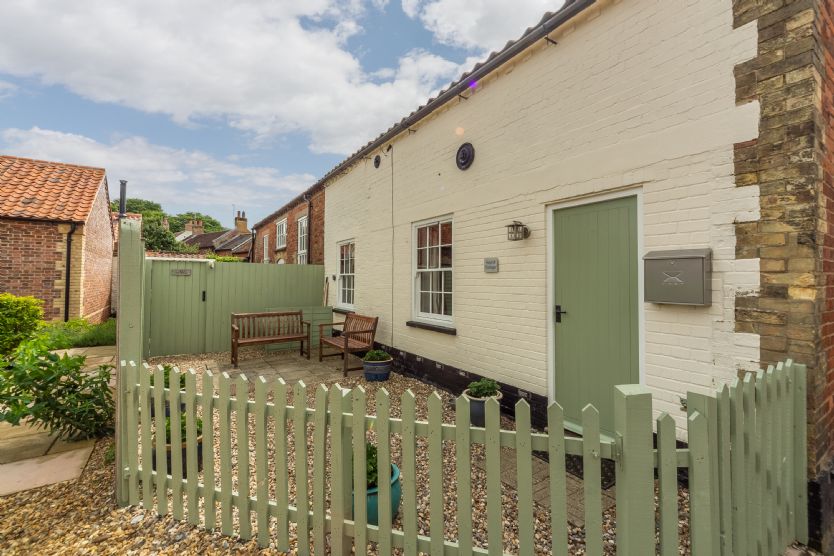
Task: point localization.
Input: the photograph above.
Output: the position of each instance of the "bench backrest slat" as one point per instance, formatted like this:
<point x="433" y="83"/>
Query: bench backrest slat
<point x="264" y="325"/>
<point x="354" y="322"/>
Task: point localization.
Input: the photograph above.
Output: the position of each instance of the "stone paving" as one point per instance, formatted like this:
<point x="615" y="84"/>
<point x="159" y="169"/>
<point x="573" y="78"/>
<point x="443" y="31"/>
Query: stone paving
<point x="31" y="457"/>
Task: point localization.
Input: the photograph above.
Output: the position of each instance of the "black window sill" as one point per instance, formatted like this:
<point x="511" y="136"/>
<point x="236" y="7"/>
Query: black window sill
<point x="432" y="327"/>
<point x="342" y="311"/>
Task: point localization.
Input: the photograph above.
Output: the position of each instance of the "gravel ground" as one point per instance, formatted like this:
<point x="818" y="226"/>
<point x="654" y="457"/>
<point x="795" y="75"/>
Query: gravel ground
<point x="79" y="517"/>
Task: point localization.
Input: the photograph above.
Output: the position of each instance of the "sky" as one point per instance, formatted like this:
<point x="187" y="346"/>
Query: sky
<point x="223" y="105"/>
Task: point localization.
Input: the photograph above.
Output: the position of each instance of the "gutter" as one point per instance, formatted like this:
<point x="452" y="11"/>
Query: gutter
<point x="68" y="266"/>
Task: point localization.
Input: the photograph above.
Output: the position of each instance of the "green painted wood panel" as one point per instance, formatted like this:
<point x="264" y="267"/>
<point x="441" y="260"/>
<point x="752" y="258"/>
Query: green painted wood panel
<point x="178" y="321"/>
<point x="191" y="446"/>
<point x="225" y="433"/>
<point x="159" y="441"/>
<point x="592" y="465"/>
<point x="667" y="479"/>
<point x="279" y="395"/>
<point x="242" y="437"/>
<point x="409" y="473"/>
<point x="360" y="483"/>
<point x="595" y="277"/>
<point x="635" y="475"/>
<point x="524" y="479"/>
<point x="145" y="402"/>
<point x="302" y="489"/>
<point x="558" y="481"/>
<point x="261" y="463"/>
<point x="319" y="461"/>
<point x="210" y="511"/>
<point x="495" y="523"/>
<point x="176" y="442"/>
<point x="463" y="471"/>
<point x="383" y="411"/>
<point x="435" y="457"/>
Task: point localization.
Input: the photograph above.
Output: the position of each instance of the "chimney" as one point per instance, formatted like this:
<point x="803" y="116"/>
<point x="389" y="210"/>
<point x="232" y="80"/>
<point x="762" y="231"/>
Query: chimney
<point x="196" y="227"/>
<point x="188" y="226"/>
<point x="240" y="223"/>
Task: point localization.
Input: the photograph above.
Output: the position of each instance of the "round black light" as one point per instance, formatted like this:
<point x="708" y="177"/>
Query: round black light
<point x="377" y="161"/>
<point x="465" y="156"/>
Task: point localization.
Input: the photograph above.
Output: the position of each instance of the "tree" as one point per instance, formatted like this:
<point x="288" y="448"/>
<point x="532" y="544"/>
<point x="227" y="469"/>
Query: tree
<point x="178" y="221"/>
<point x="140" y="206"/>
<point x="158" y="238"/>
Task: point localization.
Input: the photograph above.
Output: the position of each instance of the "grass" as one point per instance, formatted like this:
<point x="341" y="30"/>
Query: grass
<point x="80" y="333"/>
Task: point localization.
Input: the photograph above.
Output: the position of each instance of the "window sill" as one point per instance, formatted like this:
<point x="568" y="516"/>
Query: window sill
<point x="433" y="327"/>
<point x="343" y="311"/>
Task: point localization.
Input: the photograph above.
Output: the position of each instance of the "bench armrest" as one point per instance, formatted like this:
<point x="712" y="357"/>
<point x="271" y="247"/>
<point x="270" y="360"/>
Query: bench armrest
<point x="235" y="331"/>
<point x="323" y="324"/>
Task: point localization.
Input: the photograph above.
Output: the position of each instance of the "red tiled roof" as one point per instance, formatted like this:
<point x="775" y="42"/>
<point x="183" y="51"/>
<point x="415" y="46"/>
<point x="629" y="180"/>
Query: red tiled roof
<point x="42" y="190"/>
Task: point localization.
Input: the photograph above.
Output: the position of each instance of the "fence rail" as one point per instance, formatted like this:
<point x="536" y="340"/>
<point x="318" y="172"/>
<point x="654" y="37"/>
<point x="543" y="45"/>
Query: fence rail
<point x="746" y="462"/>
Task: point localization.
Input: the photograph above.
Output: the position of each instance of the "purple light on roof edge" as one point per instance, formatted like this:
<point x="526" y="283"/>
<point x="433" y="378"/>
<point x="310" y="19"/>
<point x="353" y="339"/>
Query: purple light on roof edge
<point x="473" y="84"/>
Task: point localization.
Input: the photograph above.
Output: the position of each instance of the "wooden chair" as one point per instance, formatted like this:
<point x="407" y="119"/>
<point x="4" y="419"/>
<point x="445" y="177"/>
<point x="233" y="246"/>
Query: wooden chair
<point x="357" y="335"/>
<point x="268" y="328"/>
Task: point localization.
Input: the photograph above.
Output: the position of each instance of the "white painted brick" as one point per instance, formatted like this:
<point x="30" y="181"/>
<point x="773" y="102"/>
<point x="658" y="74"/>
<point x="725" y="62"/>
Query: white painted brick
<point x="644" y="94"/>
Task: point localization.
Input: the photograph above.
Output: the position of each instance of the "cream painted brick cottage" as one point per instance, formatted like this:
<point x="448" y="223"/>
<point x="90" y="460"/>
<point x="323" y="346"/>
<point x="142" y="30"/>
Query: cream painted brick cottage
<point x="610" y="130"/>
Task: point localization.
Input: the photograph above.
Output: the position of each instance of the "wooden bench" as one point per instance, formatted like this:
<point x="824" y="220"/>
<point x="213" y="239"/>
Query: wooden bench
<point x="357" y="335"/>
<point x="250" y="329"/>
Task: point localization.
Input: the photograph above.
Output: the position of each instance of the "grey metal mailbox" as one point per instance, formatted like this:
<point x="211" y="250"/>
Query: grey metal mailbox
<point x="679" y="277"/>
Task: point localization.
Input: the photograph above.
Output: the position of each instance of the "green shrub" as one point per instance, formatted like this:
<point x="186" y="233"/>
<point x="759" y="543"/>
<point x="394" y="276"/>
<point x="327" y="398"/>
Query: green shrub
<point x="376" y="355"/>
<point x="484" y="388"/>
<point x="183" y="422"/>
<point x="372" y="464"/>
<point x="56" y="393"/>
<point x="80" y="333"/>
<point x="19" y="318"/>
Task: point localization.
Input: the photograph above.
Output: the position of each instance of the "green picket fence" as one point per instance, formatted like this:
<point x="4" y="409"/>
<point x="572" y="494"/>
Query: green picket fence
<point x="745" y="457"/>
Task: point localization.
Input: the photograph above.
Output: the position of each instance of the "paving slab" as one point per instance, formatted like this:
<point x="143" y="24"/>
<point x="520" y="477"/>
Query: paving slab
<point x="44" y="470"/>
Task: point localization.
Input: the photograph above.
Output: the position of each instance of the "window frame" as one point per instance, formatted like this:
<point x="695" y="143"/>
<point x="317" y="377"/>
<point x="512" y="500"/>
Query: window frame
<point x="279" y="245"/>
<point x="445" y="321"/>
<point x="341" y="275"/>
<point x="299" y="251"/>
<point x="266" y="249"/>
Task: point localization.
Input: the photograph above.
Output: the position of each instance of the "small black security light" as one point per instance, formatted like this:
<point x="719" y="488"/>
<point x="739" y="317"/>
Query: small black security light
<point x="517" y="231"/>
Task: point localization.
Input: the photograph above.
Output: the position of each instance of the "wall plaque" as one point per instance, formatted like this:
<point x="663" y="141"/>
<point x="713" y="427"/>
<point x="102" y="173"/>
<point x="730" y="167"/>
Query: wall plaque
<point x="491" y="264"/>
<point x="180" y="272"/>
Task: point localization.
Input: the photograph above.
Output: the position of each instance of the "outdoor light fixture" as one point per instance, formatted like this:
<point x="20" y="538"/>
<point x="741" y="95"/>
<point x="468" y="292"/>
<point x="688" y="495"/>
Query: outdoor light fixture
<point x="517" y="231"/>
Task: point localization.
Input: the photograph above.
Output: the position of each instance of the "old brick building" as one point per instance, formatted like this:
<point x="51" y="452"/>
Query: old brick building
<point x="277" y="236"/>
<point x="56" y="240"/>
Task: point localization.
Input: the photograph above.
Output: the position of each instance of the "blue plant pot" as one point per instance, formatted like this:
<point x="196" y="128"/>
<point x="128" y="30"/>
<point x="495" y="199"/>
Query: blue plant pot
<point x="396" y="494"/>
<point x="377" y="371"/>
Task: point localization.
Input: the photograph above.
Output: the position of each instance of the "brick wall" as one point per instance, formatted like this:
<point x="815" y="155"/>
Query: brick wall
<point x="292" y="214"/>
<point x="790" y="162"/>
<point x="97" y="260"/>
<point x="31" y="262"/>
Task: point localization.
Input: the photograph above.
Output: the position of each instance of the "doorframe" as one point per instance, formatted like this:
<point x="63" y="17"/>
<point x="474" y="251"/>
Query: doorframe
<point x="635" y="190"/>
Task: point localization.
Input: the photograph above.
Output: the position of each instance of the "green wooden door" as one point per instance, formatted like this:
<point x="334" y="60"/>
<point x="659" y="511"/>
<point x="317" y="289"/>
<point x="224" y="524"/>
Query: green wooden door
<point x="177" y="309"/>
<point x="596" y="344"/>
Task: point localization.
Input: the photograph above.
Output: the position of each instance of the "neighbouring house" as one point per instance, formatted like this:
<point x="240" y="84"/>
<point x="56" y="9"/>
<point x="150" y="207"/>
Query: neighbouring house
<point x="631" y="192"/>
<point x="293" y="234"/>
<point x="56" y="240"/>
<point x="230" y="243"/>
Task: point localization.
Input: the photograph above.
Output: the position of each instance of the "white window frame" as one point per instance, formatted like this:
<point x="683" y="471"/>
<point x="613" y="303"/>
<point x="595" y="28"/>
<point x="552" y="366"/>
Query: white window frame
<point x="340" y="281"/>
<point x="281" y="234"/>
<point x="301" y="243"/>
<point x="417" y="314"/>
<point x="266" y="249"/>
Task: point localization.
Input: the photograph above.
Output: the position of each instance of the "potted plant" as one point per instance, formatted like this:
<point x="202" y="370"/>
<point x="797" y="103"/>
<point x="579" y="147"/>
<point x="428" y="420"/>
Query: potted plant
<point x="166" y="373"/>
<point x="377" y="365"/>
<point x="373" y="486"/>
<point x="168" y="447"/>
<point x="478" y="393"/>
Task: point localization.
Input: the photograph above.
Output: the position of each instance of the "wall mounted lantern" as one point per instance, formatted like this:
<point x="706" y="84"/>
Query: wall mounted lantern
<point x="517" y="231"/>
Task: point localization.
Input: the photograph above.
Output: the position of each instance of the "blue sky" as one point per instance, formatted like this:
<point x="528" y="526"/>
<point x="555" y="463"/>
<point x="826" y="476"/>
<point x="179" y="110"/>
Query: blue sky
<point x="207" y="104"/>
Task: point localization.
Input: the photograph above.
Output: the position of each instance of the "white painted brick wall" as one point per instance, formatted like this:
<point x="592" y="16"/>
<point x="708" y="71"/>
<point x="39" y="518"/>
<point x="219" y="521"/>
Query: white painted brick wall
<point x="643" y="94"/>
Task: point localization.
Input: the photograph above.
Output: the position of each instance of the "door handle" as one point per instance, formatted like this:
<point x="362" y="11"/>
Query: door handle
<point x="558" y="312"/>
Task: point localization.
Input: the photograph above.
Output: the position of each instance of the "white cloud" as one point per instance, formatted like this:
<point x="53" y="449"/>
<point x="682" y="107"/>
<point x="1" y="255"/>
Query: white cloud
<point x="264" y="67"/>
<point x="481" y="25"/>
<point x="181" y="180"/>
<point x="7" y="89"/>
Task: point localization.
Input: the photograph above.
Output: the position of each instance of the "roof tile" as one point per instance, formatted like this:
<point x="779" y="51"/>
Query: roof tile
<point x="42" y="190"/>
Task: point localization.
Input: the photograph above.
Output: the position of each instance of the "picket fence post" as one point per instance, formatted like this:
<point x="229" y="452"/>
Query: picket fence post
<point x="703" y="475"/>
<point x="635" y="470"/>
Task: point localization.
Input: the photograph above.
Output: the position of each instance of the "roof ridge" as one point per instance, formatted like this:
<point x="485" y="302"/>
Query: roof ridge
<point x="52" y="162"/>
